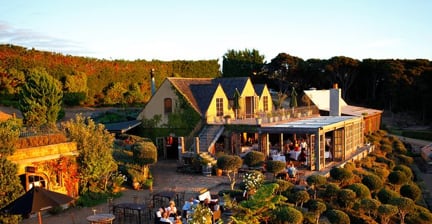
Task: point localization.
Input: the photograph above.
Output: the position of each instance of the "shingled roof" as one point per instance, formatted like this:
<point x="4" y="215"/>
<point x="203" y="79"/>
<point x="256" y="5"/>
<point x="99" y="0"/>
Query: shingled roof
<point x="184" y="86"/>
<point x="199" y="91"/>
<point x="230" y="84"/>
<point x="259" y="88"/>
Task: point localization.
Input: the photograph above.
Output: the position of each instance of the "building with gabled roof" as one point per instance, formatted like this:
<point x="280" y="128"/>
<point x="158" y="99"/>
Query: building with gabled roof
<point x="371" y="117"/>
<point x="256" y="124"/>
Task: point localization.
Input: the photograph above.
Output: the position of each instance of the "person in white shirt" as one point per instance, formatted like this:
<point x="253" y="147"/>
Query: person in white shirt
<point x="171" y="209"/>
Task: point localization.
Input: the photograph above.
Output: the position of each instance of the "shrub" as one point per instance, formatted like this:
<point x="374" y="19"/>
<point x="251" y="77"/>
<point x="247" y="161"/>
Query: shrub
<point x="406" y="160"/>
<point x="373" y="182"/>
<point x="337" y="217"/>
<point x="385" y="195"/>
<point x="340" y="174"/>
<point x="361" y="190"/>
<point x="287" y="214"/>
<point x="405" y="169"/>
<point x="275" y="167"/>
<point x="254" y="158"/>
<point x="411" y="191"/>
<point x="390" y="163"/>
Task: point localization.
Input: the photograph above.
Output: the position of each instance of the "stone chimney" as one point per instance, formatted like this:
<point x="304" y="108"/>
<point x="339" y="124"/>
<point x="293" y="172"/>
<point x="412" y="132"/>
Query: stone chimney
<point x="152" y="82"/>
<point x="335" y="95"/>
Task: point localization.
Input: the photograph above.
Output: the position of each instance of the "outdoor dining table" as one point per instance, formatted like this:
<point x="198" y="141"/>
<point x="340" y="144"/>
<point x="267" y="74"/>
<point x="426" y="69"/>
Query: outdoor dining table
<point x="101" y="218"/>
<point x="131" y="207"/>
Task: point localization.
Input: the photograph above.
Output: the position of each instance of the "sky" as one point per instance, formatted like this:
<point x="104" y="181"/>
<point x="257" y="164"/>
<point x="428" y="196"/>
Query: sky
<point x="205" y="30"/>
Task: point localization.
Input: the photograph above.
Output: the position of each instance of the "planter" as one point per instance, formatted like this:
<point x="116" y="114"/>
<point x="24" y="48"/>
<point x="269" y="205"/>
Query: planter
<point x="218" y="172"/>
<point x="258" y="121"/>
<point x="136" y="185"/>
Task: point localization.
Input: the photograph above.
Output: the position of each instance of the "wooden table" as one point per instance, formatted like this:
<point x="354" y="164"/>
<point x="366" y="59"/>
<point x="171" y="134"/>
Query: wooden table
<point x="101" y="218"/>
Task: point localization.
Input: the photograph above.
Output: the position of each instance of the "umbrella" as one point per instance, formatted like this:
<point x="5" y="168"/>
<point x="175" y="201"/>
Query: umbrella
<point x="293" y="97"/>
<point x="35" y="200"/>
<point x="236" y="105"/>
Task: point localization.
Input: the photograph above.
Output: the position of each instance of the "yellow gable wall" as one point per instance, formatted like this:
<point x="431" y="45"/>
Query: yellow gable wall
<point x="248" y="91"/>
<point x="156" y="104"/>
<point x="265" y="92"/>
<point x="211" y="111"/>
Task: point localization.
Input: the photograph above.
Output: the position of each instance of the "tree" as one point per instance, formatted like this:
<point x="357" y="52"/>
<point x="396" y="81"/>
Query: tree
<point x="10" y="184"/>
<point x="230" y="164"/>
<point x="337" y="217"/>
<point x="397" y="178"/>
<point x="284" y="71"/>
<point x="288" y="214"/>
<point x="369" y="206"/>
<point x="144" y="154"/>
<point x="114" y="93"/>
<point x="254" y="159"/>
<point x="405" y="169"/>
<point x="404" y="205"/>
<point x="314" y="181"/>
<point x="258" y="208"/>
<point x="385" y="195"/>
<point x="40" y="99"/>
<point x="317" y="208"/>
<point x="373" y="182"/>
<point x="241" y="63"/>
<point x="301" y="197"/>
<point x="346" y="198"/>
<point x="10" y="80"/>
<point x="341" y="174"/>
<point x="361" y="190"/>
<point x="95" y="159"/>
<point x="411" y="191"/>
<point x="331" y="191"/>
<point x="386" y="211"/>
<point x="275" y="167"/>
<point x="344" y="71"/>
<point x="75" y="87"/>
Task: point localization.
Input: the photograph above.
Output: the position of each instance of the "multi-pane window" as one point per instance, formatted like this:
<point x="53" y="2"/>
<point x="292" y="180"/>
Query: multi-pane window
<point x="168" y="105"/>
<point x="219" y="106"/>
<point x="265" y="102"/>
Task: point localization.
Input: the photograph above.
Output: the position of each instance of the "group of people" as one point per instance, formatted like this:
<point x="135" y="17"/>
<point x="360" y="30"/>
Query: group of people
<point x="168" y="214"/>
<point x="295" y="146"/>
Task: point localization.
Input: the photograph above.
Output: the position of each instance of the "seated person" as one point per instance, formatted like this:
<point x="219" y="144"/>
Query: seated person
<point x="158" y="214"/>
<point x="165" y="218"/>
<point x="292" y="171"/>
<point x="171" y="209"/>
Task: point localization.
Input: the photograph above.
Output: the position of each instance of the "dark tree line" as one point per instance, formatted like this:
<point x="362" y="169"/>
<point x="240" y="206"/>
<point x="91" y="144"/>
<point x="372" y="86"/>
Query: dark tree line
<point x="395" y="85"/>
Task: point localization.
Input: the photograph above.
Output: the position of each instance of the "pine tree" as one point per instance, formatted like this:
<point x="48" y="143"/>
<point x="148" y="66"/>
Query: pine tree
<point x="40" y="99"/>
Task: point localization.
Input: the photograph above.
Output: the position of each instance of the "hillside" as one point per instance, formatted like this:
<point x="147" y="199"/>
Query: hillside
<point x="101" y="74"/>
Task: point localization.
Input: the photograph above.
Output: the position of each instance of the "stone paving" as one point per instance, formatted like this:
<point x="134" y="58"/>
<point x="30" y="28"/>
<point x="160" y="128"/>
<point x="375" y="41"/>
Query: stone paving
<point x="166" y="178"/>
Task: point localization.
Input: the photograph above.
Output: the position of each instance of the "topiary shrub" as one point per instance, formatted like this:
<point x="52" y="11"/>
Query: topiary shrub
<point x="373" y="182"/>
<point x="275" y="167"/>
<point x="254" y="159"/>
<point x="410" y="191"/>
<point x="385" y="195"/>
<point x="337" y="217"/>
<point x="361" y="190"/>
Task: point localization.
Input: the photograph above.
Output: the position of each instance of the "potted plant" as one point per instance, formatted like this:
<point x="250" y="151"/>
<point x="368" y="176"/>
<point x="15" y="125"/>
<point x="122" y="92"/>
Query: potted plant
<point x="227" y="119"/>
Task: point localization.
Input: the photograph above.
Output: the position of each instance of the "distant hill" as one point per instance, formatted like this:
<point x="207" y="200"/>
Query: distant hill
<point x="101" y="74"/>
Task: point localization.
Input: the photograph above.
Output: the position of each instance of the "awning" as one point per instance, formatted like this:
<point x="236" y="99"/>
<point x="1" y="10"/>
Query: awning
<point x="122" y="127"/>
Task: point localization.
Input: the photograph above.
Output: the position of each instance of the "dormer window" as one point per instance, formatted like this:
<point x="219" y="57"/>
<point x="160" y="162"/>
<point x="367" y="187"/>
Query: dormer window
<point x="167" y="105"/>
